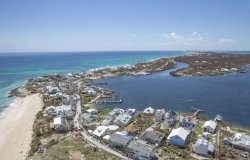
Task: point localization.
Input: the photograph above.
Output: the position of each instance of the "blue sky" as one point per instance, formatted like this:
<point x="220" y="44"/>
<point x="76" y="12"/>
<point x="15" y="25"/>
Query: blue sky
<point x="103" y="25"/>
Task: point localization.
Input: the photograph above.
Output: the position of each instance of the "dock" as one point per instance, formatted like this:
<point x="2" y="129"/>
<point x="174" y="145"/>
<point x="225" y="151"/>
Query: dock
<point x="197" y="111"/>
<point x="108" y="101"/>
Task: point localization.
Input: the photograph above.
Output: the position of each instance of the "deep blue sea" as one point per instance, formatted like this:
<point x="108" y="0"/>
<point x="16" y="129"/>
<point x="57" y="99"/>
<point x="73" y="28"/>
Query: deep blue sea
<point x="228" y="95"/>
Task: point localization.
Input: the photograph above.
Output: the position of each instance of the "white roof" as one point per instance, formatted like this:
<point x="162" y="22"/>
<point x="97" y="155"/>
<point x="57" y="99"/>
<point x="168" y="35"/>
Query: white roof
<point x="106" y="137"/>
<point x="63" y="107"/>
<point x="180" y="132"/>
<point x="113" y="127"/>
<point x="149" y="110"/>
<point x="91" y="110"/>
<point x="210" y="123"/>
<point x="100" y="130"/>
<point x="57" y="120"/>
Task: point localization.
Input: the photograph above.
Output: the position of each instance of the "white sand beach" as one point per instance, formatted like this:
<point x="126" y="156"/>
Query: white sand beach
<point x="16" y="127"/>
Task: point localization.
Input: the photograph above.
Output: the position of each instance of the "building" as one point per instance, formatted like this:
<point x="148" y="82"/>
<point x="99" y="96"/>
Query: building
<point x="107" y="120"/>
<point x="61" y="124"/>
<point x="239" y="141"/>
<point x="153" y="137"/>
<point x="140" y="150"/>
<point x="91" y="111"/>
<point x="112" y="129"/>
<point x="204" y="148"/>
<point x="64" y="111"/>
<point x="123" y="119"/>
<point x="210" y="126"/>
<point x="186" y="123"/>
<point x="89" y="91"/>
<point x="179" y="137"/>
<point x="50" y="110"/>
<point x="170" y="118"/>
<point x="159" y="115"/>
<point x="100" y="131"/>
<point x="131" y="112"/>
<point x="51" y="89"/>
<point x="88" y="118"/>
<point x="120" y="141"/>
<point x="149" y="111"/>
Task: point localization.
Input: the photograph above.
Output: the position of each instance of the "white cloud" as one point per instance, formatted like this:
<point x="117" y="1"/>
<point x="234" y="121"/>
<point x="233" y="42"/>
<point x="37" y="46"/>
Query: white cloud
<point x="226" y="40"/>
<point x="173" y="38"/>
<point x="195" y="36"/>
<point x="194" y="40"/>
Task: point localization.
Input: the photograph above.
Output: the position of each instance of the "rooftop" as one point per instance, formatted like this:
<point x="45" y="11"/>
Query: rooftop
<point x="210" y="123"/>
<point x="100" y="130"/>
<point x="141" y="146"/>
<point x="180" y="132"/>
<point x="120" y="138"/>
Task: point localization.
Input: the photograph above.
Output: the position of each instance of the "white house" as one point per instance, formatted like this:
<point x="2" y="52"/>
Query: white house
<point x="61" y="124"/>
<point x="210" y="126"/>
<point x="179" y="137"/>
<point x="64" y="111"/>
<point x="149" y="111"/>
<point x="100" y="131"/>
<point x="203" y="147"/>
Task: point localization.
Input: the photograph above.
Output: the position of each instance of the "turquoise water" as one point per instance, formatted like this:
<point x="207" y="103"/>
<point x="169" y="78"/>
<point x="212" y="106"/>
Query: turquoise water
<point x="16" y="69"/>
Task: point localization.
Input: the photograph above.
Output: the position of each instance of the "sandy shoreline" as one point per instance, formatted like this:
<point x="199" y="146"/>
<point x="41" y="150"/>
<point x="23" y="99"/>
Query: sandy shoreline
<point x="16" y="127"/>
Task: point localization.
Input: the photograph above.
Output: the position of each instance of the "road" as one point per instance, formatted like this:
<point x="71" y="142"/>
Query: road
<point x="78" y="113"/>
<point x="101" y="146"/>
<point x="89" y="138"/>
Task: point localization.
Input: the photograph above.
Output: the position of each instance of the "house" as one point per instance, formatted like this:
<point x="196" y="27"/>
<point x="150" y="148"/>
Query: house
<point x="112" y="129"/>
<point x="204" y="148"/>
<point x="50" y="110"/>
<point x="88" y="118"/>
<point x="139" y="149"/>
<point x="153" y="137"/>
<point x="149" y="111"/>
<point x="179" y="137"/>
<point x="91" y="111"/>
<point x="89" y="91"/>
<point x="210" y="126"/>
<point x="61" y="124"/>
<point x="106" y="138"/>
<point x="170" y="117"/>
<point x="51" y="89"/>
<point x="64" y="111"/>
<point x="111" y="116"/>
<point x="186" y="123"/>
<point x="107" y="120"/>
<point x="119" y="141"/>
<point x="100" y="131"/>
<point x="159" y="115"/>
<point x="123" y="119"/>
<point x="131" y="112"/>
<point x="239" y="141"/>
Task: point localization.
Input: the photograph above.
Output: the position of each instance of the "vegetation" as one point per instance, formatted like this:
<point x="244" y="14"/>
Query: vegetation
<point x="41" y="128"/>
<point x="72" y="147"/>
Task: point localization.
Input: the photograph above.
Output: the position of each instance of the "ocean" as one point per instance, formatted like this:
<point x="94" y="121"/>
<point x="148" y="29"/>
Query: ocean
<point x="227" y="95"/>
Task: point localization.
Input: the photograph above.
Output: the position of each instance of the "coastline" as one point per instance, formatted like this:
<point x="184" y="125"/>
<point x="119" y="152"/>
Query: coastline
<point x="17" y="126"/>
